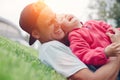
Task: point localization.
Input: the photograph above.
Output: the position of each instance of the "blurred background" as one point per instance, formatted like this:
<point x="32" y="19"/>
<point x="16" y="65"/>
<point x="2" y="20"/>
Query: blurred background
<point x="107" y="10"/>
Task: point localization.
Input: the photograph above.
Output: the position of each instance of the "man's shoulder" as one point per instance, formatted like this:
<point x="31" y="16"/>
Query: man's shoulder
<point x="54" y="47"/>
<point x="49" y="48"/>
<point x="52" y="43"/>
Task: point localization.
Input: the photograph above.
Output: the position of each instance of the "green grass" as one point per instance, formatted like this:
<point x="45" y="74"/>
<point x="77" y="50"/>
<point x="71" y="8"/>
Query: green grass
<point x="18" y="62"/>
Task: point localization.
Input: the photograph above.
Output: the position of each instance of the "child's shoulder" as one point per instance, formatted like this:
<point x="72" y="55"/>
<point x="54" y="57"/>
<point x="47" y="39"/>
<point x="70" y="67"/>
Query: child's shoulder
<point x="94" y="22"/>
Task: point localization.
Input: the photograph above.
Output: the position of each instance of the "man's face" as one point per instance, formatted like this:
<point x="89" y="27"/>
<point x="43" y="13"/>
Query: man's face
<point x="48" y="26"/>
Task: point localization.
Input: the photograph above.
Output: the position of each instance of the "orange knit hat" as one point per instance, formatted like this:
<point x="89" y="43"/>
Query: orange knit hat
<point x="29" y="16"/>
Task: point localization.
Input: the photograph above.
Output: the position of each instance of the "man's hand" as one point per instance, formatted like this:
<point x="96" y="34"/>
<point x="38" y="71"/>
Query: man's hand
<point x="113" y="49"/>
<point x="114" y="35"/>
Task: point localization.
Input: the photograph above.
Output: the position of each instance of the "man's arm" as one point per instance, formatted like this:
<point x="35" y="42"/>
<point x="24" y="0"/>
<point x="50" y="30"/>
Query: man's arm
<point x="106" y="72"/>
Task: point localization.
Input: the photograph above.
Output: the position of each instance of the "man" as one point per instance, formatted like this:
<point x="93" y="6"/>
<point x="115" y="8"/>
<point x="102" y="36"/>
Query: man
<point x="42" y="24"/>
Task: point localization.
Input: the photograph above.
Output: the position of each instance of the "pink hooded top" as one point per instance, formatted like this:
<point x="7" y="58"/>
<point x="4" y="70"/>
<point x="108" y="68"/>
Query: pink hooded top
<point x="88" y="43"/>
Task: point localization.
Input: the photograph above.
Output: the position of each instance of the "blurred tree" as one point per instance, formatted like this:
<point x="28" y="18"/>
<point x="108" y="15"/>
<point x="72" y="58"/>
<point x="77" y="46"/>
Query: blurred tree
<point x="108" y="10"/>
<point x="118" y="1"/>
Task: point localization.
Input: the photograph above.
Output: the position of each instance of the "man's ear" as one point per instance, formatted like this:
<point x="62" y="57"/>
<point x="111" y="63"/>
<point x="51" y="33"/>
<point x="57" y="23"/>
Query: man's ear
<point x="35" y="34"/>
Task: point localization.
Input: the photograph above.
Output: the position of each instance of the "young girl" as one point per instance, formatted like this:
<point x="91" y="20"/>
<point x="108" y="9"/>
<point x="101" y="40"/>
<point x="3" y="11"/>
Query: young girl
<point x="89" y="41"/>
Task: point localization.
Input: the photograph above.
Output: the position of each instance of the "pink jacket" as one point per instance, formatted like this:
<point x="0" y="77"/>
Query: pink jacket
<point x="88" y="43"/>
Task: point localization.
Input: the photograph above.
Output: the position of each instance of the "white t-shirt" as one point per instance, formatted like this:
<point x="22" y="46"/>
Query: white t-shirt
<point x="60" y="58"/>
